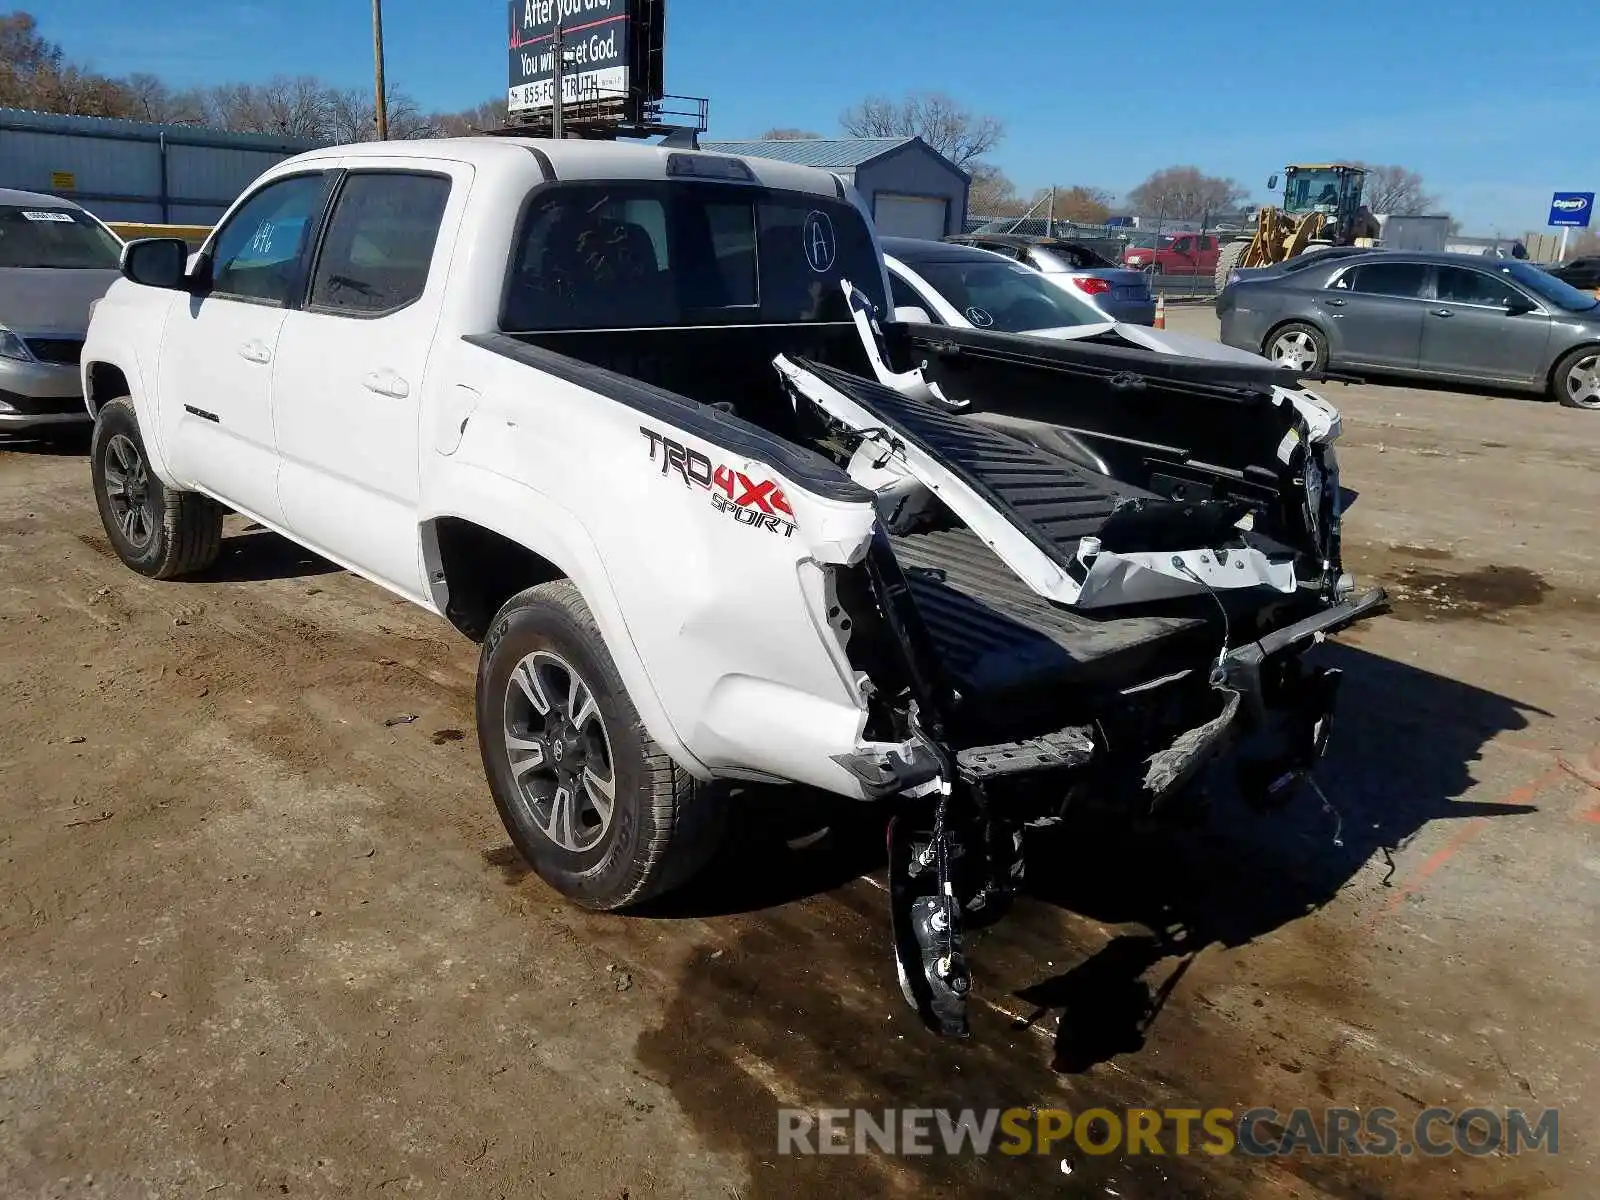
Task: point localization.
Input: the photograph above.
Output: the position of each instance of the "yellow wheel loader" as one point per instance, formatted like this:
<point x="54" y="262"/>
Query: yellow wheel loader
<point x="1321" y="207"/>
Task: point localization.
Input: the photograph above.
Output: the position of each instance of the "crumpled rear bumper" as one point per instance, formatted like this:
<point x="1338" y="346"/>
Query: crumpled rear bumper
<point x="1243" y="666"/>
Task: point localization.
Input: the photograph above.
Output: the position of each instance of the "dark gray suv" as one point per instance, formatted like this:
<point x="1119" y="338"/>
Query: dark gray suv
<point x="1455" y="317"/>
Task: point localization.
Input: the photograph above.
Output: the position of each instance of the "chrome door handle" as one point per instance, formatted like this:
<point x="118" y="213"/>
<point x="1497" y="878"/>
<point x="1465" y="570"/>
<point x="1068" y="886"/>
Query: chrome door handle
<point x="1443" y="312"/>
<point x="255" y="352"/>
<point x="1334" y="303"/>
<point x="387" y="383"/>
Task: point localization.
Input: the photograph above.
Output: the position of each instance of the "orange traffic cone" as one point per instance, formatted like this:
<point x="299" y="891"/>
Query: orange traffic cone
<point x="1161" y="312"/>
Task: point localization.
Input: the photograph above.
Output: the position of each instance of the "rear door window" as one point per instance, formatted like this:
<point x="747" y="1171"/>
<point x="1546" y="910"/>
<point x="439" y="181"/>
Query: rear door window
<point x="1404" y="280"/>
<point x="1462" y="285"/>
<point x="379" y="245"/>
<point x="650" y="255"/>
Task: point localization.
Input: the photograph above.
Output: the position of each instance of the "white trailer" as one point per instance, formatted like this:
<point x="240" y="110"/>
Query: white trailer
<point x="1426" y="233"/>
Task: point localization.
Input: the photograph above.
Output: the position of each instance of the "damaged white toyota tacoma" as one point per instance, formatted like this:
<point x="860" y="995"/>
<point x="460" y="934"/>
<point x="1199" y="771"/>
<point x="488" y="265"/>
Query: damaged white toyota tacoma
<point x="634" y="418"/>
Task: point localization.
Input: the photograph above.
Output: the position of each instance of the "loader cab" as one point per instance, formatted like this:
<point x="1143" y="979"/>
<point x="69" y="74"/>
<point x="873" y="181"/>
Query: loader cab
<point x="1333" y="190"/>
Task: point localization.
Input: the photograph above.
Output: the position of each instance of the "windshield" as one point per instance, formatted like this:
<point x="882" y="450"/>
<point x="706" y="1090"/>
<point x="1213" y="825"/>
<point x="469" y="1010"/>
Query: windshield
<point x="1005" y="296"/>
<point x="1308" y="190"/>
<point x="1548" y="287"/>
<point x="60" y="238"/>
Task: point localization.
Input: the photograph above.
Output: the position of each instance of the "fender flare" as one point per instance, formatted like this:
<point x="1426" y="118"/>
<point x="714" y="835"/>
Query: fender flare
<point x="532" y="519"/>
<point x="124" y="357"/>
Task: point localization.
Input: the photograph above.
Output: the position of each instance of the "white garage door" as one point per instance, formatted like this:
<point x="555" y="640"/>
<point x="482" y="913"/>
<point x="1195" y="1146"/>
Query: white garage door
<point x="910" y="216"/>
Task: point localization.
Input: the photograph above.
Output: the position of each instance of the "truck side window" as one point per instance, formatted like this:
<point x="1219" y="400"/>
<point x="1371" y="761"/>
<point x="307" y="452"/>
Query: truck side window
<point x="379" y="244"/>
<point x="594" y="258"/>
<point x="258" y="252"/>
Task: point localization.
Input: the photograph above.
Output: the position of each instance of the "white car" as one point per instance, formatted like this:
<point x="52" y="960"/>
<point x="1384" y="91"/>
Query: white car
<point x="623" y="415"/>
<point x="970" y="288"/>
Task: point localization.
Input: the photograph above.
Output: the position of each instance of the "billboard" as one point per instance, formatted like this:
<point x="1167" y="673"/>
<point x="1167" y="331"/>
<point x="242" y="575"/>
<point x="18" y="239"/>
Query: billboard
<point x="613" y="51"/>
<point x="1571" y="210"/>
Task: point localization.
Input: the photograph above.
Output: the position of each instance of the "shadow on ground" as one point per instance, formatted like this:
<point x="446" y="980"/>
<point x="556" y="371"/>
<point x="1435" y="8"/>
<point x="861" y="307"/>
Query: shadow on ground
<point x="806" y="990"/>
<point x="1402" y="753"/>
<point x="258" y="554"/>
<point x="72" y="442"/>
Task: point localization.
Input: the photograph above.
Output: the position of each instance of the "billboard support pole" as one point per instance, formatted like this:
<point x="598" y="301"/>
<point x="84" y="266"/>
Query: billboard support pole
<point x="1561" y="254"/>
<point x="558" y="124"/>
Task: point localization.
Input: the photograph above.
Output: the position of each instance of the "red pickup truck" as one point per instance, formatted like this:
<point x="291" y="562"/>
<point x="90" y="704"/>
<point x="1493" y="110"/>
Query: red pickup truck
<point x="1179" y="254"/>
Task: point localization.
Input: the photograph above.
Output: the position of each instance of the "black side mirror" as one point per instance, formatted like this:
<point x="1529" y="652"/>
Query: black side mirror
<point x="1519" y="305"/>
<point x="1272" y="183"/>
<point x="157" y="263"/>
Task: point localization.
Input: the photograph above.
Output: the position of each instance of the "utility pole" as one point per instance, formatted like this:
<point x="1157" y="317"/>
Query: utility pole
<point x="380" y="98"/>
<point x="558" y="123"/>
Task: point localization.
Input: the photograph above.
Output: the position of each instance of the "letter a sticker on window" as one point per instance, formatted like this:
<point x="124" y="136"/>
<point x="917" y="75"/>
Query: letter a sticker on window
<point x="821" y="245"/>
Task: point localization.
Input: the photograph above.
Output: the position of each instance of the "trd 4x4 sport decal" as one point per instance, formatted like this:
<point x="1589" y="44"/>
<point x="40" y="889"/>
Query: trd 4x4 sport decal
<point x="758" y="504"/>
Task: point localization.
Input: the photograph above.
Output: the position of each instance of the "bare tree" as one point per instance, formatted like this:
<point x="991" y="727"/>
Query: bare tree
<point x="34" y="73"/>
<point x="955" y="132"/>
<point x="789" y="135"/>
<point x="1395" y="189"/>
<point x="491" y="114"/>
<point x="149" y="97"/>
<point x="993" y="194"/>
<point x="351" y="116"/>
<point x="1087" y="205"/>
<point x="1186" y="194"/>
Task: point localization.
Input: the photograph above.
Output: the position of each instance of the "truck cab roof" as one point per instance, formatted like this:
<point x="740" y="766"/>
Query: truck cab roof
<point x="574" y="158"/>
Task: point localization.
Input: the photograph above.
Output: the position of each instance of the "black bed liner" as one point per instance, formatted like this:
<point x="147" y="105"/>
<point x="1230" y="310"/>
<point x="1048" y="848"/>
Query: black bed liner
<point x="1002" y="644"/>
<point x="1052" y="501"/>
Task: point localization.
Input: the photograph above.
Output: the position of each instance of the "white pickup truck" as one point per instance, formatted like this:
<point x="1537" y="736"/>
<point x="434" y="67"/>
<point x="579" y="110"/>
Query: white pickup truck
<point x="634" y="418"/>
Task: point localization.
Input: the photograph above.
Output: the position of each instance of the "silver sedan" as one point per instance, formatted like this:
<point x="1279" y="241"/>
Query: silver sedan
<point x="1450" y="317"/>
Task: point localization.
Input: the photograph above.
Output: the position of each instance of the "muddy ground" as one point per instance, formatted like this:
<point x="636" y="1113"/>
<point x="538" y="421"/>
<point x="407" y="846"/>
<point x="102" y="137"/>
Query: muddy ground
<point x="262" y="934"/>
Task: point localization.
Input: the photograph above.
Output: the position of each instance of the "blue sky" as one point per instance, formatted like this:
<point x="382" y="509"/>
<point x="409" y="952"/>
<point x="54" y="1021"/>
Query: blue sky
<point x="1491" y="104"/>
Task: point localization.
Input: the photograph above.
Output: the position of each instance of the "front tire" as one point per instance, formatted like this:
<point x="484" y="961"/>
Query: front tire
<point x="1576" y="380"/>
<point x="156" y="530"/>
<point x="592" y="803"/>
<point x="1298" y="347"/>
<point x="1228" y="258"/>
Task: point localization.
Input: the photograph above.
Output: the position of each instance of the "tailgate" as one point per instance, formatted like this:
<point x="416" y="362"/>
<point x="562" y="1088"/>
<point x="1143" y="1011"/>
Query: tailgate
<point x="1074" y="536"/>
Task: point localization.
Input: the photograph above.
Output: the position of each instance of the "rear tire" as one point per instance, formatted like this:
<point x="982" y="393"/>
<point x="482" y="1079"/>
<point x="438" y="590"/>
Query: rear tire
<point x="1576" y="380"/>
<point x="1227" y="259"/>
<point x="1297" y="347"/>
<point x="592" y="803"/>
<point x="156" y="530"/>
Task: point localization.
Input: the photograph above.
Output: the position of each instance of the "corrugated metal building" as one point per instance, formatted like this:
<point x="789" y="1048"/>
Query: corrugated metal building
<point x="911" y="189"/>
<point x="133" y="170"/>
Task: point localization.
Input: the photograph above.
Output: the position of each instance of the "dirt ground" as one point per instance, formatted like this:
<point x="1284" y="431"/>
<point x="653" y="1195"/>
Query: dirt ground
<point x="262" y="934"/>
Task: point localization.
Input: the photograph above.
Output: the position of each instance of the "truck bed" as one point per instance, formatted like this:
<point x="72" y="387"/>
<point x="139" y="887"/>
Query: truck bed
<point x="1054" y="503"/>
<point x="1004" y="646"/>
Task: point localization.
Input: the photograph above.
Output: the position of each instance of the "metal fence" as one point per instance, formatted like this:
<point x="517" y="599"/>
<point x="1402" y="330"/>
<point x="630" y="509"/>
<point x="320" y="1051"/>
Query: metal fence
<point x="133" y="170"/>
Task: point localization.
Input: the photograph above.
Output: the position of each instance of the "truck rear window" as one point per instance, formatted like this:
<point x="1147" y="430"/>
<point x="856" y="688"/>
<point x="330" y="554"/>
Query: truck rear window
<point x="653" y="255"/>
